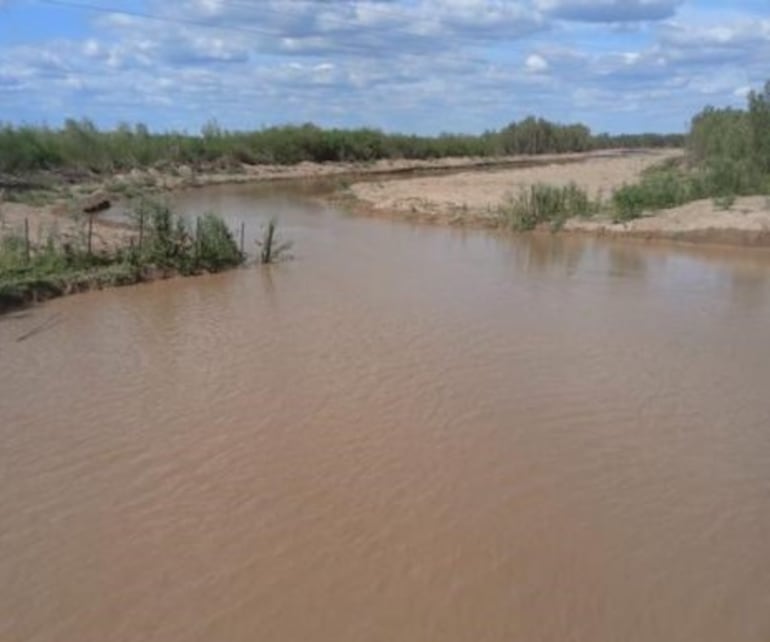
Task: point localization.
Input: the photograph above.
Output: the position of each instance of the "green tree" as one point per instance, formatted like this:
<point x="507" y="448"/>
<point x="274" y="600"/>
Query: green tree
<point x="759" y="121"/>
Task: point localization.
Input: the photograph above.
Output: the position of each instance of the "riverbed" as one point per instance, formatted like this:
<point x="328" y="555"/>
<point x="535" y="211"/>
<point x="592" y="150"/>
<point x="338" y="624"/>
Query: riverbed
<point x="403" y="433"/>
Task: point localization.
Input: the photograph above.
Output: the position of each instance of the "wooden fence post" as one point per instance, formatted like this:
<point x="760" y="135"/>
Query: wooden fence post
<point x="90" y="231"/>
<point x="267" y="247"/>
<point x="197" y="237"/>
<point x="26" y="240"/>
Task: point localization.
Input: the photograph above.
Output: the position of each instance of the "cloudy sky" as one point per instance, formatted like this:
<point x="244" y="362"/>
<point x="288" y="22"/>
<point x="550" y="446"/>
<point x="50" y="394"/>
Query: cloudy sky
<point x="422" y="66"/>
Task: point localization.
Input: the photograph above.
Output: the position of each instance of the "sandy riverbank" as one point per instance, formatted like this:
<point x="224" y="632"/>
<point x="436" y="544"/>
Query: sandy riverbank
<point x="63" y="215"/>
<point x="456" y="191"/>
<point x="473" y="198"/>
<point x="62" y="223"/>
<point x="746" y="222"/>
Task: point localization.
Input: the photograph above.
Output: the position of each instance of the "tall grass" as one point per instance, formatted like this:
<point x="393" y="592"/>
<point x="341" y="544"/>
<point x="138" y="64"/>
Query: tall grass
<point x="271" y="248"/>
<point x="215" y="246"/>
<point x="168" y="245"/>
<point x="54" y="268"/>
<point x="542" y="203"/>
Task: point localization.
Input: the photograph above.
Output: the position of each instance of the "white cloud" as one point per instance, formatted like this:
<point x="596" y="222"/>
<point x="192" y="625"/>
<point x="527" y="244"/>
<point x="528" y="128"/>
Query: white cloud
<point x="413" y="65"/>
<point x="536" y="64"/>
<point x="723" y="38"/>
<point x="742" y="92"/>
<point x="364" y="26"/>
<point x="92" y="48"/>
<point x="609" y="10"/>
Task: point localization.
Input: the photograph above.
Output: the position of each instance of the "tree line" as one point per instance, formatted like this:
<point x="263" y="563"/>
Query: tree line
<point x="79" y="146"/>
<point x="733" y="145"/>
<point x="728" y="155"/>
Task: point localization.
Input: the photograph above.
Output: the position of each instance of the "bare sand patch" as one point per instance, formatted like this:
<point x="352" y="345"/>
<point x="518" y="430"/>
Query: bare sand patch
<point x="57" y="218"/>
<point x="746" y="222"/>
<point x="477" y="195"/>
<point x="474" y="198"/>
<point x="184" y="176"/>
<point x="457" y="191"/>
<point x="53" y="221"/>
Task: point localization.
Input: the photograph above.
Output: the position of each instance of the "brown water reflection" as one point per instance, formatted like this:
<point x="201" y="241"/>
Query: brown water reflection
<point x="406" y="433"/>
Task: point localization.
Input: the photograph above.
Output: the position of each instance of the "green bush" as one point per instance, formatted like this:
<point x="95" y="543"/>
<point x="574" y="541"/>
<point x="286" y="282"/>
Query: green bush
<point x="168" y="242"/>
<point x="541" y="203"/>
<point x="216" y="248"/>
<point x="725" y="176"/>
<point x="12" y="253"/>
<point x="728" y="156"/>
<point x="660" y="187"/>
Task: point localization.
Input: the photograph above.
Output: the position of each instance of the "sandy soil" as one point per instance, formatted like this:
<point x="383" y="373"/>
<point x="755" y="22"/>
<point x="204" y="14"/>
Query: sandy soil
<point x="185" y="177"/>
<point x="75" y="198"/>
<point x="58" y="217"/>
<point x="459" y="191"/>
<point x="57" y="222"/>
<point x="747" y="222"/>
<point x="475" y="196"/>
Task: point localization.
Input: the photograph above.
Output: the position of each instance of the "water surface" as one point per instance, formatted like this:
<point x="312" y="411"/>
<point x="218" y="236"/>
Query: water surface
<point x="405" y="433"/>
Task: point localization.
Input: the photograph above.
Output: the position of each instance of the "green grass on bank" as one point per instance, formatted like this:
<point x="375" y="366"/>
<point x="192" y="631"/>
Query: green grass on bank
<point x="168" y="246"/>
<point x="663" y="187"/>
<point x="35" y="285"/>
<point x="542" y="203"/>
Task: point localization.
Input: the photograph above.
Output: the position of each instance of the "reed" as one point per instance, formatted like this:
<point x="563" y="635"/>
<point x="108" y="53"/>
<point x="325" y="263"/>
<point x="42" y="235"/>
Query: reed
<point x="541" y="203"/>
<point x="271" y="247"/>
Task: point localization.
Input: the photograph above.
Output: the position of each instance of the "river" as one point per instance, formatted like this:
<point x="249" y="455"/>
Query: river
<point x="402" y="434"/>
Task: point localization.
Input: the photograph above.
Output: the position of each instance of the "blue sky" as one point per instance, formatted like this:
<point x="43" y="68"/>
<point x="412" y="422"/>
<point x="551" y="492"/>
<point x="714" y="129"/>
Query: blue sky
<point x="421" y="66"/>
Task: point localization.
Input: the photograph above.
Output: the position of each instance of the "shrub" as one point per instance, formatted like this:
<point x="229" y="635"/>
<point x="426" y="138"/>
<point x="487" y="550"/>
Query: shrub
<point x="729" y="155"/>
<point x="541" y="203"/>
<point x="12" y="252"/>
<point x="725" y="176"/>
<point x="215" y="247"/>
<point x="168" y="242"/>
<point x="660" y="188"/>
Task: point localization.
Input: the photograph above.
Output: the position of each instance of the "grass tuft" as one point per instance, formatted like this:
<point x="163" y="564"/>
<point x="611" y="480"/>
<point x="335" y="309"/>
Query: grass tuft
<point x="542" y="203"/>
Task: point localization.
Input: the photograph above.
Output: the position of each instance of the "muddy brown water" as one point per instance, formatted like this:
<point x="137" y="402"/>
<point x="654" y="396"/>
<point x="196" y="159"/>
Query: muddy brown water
<point x="403" y="434"/>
